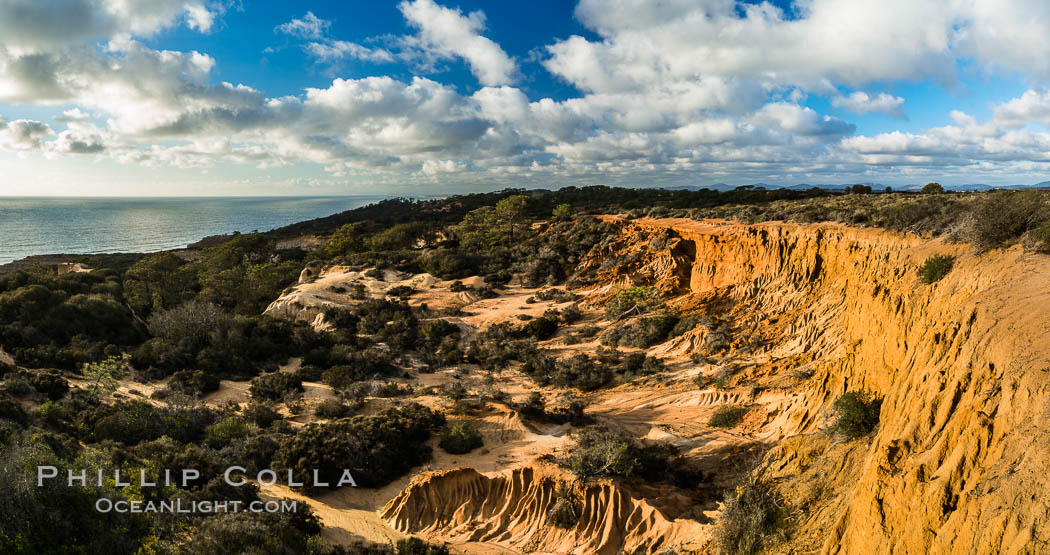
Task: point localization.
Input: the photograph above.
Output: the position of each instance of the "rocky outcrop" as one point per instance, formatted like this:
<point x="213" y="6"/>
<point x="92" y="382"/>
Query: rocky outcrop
<point x="72" y="268"/>
<point x="323" y="288"/>
<point x="963" y="366"/>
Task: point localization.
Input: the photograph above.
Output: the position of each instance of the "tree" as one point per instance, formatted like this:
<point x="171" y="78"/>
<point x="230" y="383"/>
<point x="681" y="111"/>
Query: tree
<point x="193" y="323"/>
<point x="241" y="274"/>
<point x="159" y="282"/>
<point x="495" y="226"/>
<point x="400" y="236"/>
<point x="562" y="211"/>
<point x="105" y="376"/>
<point x="347" y="239"/>
<point x="933" y="189"/>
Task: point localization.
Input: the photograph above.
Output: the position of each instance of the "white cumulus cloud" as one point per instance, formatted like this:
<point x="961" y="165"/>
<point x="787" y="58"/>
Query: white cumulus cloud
<point x="677" y="89"/>
<point x="446" y="32"/>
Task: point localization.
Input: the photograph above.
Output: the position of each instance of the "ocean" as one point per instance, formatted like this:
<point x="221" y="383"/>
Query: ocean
<point x="63" y="225"/>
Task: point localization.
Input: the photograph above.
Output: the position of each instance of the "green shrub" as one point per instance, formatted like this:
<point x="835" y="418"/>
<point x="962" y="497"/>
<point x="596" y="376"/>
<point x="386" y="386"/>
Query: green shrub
<point x="439" y="341"/>
<point x="50" y="384"/>
<point x="563" y="512"/>
<point x="310" y="373"/>
<point x="376" y="449"/>
<point x="556" y="295"/>
<point x="360" y="390"/>
<point x="461" y="438"/>
<point x="926" y="213"/>
<point x="572" y="413"/>
<point x="634" y="300"/>
<point x="226" y="430"/>
<point x="752" y="518"/>
<point x="333" y="408"/>
<point x="399" y="237"/>
<point x="104" y="377"/>
<point x="262" y="415"/>
<point x="16" y="384"/>
<point x="193" y="382"/>
<point x="247" y="532"/>
<point x="63" y="321"/>
<point x="206" y="337"/>
<point x="275" y="387"/>
<point x="1040" y="238"/>
<point x="11" y="409"/>
<point x="412" y="546"/>
<point x="685" y="324"/>
<point x="541" y="328"/>
<point x="581" y="371"/>
<point x="1002" y="216"/>
<point x="55" y="518"/>
<point x="600" y="451"/>
<point x="51" y="412"/>
<point x="642" y="332"/>
<point x="932" y="189"/>
<point x="361" y="366"/>
<point x="728" y="416"/>
<point x="637" y="364"/>
<point x="935" y="268"/>
<point x="562" y="211"/>
<point x="453" y="391"/>
<point x="856" y="414"/>
<point x="401" y="291"/>
<point x="135" y="421"/>
<point x="570" y="314"/>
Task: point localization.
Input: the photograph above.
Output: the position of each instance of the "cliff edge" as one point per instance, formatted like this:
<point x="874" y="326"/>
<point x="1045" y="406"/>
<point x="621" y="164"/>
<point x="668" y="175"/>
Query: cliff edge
<point x="957" y="463"/>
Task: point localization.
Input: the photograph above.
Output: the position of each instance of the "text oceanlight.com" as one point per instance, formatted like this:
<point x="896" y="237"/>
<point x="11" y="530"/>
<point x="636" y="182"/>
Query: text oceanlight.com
<point x="106" y="505"/>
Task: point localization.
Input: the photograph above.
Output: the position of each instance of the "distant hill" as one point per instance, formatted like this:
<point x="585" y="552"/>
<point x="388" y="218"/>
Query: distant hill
<point x="878" y="187"/>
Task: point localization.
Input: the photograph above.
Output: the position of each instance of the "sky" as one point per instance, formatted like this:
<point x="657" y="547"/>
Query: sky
<point x="412" y="97"/>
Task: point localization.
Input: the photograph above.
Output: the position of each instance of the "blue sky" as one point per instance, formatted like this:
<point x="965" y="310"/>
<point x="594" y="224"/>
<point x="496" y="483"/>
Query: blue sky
<point x="242" y="48"/>
<point x="172" y="97"/>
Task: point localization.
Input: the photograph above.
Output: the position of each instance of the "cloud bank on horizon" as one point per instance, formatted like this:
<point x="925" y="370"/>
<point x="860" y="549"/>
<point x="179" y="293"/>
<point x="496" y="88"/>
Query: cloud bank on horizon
<point x="637" y="93"/>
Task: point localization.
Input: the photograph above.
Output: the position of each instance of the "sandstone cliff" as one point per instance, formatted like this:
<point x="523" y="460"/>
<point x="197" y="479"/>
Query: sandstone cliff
<point x="958" y="463"/>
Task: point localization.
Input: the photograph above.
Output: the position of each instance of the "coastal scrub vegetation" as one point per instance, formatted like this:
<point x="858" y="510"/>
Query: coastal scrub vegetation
<point x="563" y="512"/>
<point x="48" y="320"/>
<point x="728" y="416"/>
<point x="753" y="517"/>
<point x="195" y="317"/>
<point x="376" y="449"/>
<point x="856" y="413"/>
<point x="935" y="268"/>
<point x="633" y="300"/>
<point x="461" y="438"/>
<point x="600" y="451"/>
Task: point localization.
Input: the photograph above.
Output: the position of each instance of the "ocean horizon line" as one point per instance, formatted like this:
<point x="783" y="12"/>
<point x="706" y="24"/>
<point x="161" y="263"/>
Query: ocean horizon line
<point x="156" y="197"/>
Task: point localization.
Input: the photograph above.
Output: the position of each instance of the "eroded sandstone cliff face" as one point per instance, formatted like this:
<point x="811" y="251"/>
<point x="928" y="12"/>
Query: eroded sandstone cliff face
<point x="959" y="462"/>
<point x="512" y="508"/>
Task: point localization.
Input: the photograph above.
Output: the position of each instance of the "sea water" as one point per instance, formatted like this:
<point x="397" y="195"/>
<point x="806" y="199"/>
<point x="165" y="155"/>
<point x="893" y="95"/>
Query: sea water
<point x="64" y="225"/>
